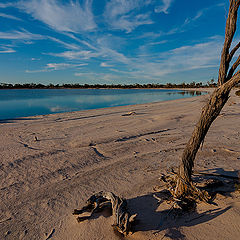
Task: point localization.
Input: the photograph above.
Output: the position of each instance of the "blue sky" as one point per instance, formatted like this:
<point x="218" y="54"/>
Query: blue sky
<point x="111" y="41"/>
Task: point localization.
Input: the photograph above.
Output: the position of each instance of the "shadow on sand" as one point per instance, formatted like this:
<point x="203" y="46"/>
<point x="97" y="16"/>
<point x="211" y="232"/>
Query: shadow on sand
<point x="14" y="120"/>
<point x="155" y="217"/>
<point x="149" y="219"/>
<point x="152" y="219"/>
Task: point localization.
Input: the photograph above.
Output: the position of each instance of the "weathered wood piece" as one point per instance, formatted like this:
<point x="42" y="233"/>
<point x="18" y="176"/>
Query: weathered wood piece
<point x="99" y="201"/>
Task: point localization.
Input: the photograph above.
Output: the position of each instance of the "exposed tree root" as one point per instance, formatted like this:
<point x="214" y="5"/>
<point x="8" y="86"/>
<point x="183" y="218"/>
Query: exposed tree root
<point x="204" y="189"/>
<point x="99" y="201"/>
<point x="189" y="196"/>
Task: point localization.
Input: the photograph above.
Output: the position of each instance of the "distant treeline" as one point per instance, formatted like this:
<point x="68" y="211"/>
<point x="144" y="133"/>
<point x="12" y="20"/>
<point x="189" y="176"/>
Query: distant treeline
<point x="124" y="86"/>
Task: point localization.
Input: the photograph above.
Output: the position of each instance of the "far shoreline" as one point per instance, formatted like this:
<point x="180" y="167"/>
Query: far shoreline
<point x="107" y="86"/>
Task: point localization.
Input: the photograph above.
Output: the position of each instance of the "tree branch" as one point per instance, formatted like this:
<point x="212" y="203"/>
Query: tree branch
<point x="232" y="81"/>
<point x="233" y="52"/>
<point x="229" y="33"/>
<point x="233" y="68"/>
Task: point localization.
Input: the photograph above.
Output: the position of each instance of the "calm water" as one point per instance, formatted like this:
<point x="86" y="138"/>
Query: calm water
<point x="30" y="102"/>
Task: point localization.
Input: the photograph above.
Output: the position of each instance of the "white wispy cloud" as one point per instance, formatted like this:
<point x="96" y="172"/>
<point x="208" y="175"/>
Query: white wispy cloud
<point x="6" y="5"/>
<point x="101" y="51"/>
<point x="103" y="64"/>
<point x="83" y="54"/>
<point x="185" y="58"/>
<point x="60" y="66"/>
<point x="158" y="42"/>
<point x="20" y="35"/>
<point x="56" y="66"/>
<point x="121" y="71"/>
<point x="112" y="54"/>
<point x="121" y="14"/>
<point x="149" y="67"/>
<point x="10" y="17"/>
<point x="164" y="7"/>
<point x="63" y="17"/>
<point x="126" y="15"/>
<point x="182" y="27"/>
<point x="66" y="45"/>
<point x="201" y="13"/>
<point x="159" y="66"/>
<point x="6" y="50"/>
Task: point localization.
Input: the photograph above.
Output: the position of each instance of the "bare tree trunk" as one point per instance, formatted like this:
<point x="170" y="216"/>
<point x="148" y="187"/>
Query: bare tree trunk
<point x="231" y="25"/>
<point x="209" y="113"/>
<point x="226" y="81"/>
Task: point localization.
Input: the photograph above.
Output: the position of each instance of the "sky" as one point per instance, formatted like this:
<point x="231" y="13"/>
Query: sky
<point x="111" y="41"/>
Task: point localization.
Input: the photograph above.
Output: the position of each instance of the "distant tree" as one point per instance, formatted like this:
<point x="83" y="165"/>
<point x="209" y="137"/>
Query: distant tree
<point x="226" y="81"/>
<point x="192" y="84"/>
<point x="198" y="85"/>
<point x="50" y="85"/>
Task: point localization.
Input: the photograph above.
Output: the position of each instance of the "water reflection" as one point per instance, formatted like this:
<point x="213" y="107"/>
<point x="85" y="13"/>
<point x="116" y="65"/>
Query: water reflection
<point x="189" y="92"/>
<point x="16" y="103"/>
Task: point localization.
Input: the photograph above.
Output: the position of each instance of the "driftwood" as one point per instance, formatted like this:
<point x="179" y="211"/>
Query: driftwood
<point x="99" y="201"/>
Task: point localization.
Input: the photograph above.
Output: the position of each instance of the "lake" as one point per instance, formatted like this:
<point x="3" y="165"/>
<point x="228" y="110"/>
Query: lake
<point x="15" y="103"/>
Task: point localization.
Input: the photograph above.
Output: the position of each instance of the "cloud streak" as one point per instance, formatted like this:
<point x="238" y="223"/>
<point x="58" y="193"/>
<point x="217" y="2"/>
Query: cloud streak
<point x="120" y="14"/>
<point x="6" y="5"/>
<point x="56" y="66"/>
<point x="185" y="58"/>
<point x="201" y="13"/>
<point x="83" y="54"/>
<point x="127" y="15"/>
<point x="103" y="64"/>
<point x="164" y="7"/>
<point x="20" y="35"/>
<point x="63" y="17"/>
<point x="66" y="45"/>
<point x="3" y="15"/>
<point x="6" y="50"/>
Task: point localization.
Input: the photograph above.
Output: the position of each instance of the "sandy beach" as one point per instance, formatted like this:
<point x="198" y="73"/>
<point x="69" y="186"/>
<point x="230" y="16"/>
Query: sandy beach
<point x="51" y="164"/>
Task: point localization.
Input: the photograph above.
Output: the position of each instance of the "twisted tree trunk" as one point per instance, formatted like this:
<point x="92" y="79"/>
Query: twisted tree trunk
<point x="209" y="114"/>
<point x="226" y="81"/>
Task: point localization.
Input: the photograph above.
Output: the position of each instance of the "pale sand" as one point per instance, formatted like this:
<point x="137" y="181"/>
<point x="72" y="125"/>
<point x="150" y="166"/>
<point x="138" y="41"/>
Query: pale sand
<point x="81" y="153"/>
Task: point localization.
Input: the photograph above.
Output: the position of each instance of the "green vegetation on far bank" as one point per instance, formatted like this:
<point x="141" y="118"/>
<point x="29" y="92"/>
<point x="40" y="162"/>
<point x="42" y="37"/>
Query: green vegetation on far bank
<point x="106" y="86"/>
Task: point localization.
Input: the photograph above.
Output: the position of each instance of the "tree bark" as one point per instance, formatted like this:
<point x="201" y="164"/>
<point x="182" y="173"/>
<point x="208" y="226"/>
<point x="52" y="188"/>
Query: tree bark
<point x="226" y="81"/>
<point x="231" y="25"/>
<point x="209" y="113"/>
